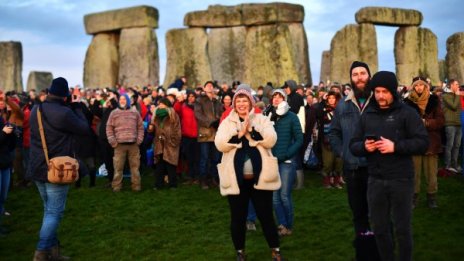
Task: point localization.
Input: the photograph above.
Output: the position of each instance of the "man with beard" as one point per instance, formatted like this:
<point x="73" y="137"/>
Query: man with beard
<point x="344" y="122"/>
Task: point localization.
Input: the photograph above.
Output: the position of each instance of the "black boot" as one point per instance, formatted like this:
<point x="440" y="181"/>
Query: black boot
<point x="93" y="177"/>
<point x="41" y="255"/>
<point x="55" y="254"/>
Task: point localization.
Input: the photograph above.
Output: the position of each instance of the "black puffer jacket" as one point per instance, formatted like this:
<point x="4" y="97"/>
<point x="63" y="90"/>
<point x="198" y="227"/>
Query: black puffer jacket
<point x="400" y="124"/>
<point x="7" y="146"/>
<point x="60" y="124"/>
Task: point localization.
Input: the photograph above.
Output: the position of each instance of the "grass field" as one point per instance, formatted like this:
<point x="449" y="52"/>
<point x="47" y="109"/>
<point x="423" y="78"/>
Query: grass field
<point x="193" y="224"/>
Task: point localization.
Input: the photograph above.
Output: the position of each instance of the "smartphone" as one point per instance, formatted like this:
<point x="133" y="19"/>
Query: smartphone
<point x="372" y="137"/>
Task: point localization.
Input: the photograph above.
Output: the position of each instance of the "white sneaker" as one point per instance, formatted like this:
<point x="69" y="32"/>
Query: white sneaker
<point x="251" y="226"/>
<point x="452" y="169"/>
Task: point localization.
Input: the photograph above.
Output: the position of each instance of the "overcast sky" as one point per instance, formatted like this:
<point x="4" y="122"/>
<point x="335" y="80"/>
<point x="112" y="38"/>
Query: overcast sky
<point x="53" y="36"/>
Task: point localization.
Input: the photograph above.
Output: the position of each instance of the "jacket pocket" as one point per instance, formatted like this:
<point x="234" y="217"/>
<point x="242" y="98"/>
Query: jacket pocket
<point x="270" y="171"/>
<point x="224" y="179"/>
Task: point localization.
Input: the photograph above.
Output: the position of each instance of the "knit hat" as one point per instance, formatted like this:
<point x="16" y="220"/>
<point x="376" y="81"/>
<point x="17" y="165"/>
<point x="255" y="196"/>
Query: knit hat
<point x="165" y="101"/>
<point x="59" y="87"/>
<point x="385" y="79"/>
<point x="244" y="89"/>
<point x="359" y="64"/>
<point x="417" y="80"/>
<point x="281" y="92"/>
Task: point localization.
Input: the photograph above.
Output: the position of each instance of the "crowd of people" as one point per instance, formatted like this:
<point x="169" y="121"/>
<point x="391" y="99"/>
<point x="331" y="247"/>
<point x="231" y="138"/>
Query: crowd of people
<point x="240" y="137"/>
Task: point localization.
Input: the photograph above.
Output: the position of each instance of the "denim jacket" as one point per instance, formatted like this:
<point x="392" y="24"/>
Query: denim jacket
<point x="344" y="122"/>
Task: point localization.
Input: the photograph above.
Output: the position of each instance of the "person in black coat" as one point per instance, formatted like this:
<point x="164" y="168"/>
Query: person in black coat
<point x="389" y="133"/>
<point x="7" y="147"/>
<point x="60" y="124"/>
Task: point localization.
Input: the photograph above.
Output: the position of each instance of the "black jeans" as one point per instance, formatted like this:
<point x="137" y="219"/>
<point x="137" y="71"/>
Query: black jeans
<point x="356" y="186"/>
<point x="391" y="200"/>
<point x="190" y="152"/>
<point x="262" y="201"/>
<point x="163" y="168"/>
<point x="107" y="153"/>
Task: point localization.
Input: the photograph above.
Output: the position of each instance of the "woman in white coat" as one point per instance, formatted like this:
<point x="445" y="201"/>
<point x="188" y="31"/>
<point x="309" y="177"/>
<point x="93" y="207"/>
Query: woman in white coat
<point x="248" y="171"/>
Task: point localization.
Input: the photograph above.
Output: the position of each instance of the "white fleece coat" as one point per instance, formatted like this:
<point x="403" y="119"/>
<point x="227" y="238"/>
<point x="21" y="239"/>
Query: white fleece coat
<point x="269" y="178"/>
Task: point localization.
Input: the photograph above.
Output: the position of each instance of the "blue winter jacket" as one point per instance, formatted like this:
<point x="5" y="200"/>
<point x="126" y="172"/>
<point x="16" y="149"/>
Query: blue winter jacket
<point x="60" y="123"/>
<point x="289" y="137"/>
<point x="342" y="128"/>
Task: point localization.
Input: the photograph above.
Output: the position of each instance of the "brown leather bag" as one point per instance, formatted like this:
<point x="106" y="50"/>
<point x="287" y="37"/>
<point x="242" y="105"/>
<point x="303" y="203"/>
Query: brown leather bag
<point x="62" y="169"/>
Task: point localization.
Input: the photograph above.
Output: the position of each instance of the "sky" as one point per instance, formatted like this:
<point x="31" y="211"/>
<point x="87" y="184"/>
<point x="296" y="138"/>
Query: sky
<point x="53" y="36"/>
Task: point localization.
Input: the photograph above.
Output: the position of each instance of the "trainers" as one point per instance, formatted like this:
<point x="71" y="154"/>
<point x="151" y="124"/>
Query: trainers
<point x="458" y="169"/>
<point x="282" y="230"/>
<point x="240" y="256"/>
<point x="452" y="169"/>
<point x="276" y="256"/>
<point x="251" y="226"/>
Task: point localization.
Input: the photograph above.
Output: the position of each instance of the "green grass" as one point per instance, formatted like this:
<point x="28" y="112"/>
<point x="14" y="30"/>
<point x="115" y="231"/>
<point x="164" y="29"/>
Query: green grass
<point x="193" y="224"/>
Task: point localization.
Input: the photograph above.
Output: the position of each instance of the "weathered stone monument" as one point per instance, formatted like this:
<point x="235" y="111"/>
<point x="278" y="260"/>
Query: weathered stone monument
<point x="252" y="43"/>
<point x="416" y="49"/>
<point x="11" y="66"/>
<point x="39" y="80"/>
<point x="124" y="48"/>
<point x="325" y="66"/>
<point x="455" y="57"/>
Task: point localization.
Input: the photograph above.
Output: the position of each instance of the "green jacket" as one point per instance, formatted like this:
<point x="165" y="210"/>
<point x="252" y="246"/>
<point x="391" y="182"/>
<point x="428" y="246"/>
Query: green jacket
<point x="289" y="137"/>
<point x="452" y="109"/>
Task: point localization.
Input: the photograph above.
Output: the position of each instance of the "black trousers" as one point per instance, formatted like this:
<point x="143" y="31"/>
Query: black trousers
<point x="356" y="185"/>
<point x="262" y="201"/>
<point x="107" y="153"/>
<point x="163" y="168"/>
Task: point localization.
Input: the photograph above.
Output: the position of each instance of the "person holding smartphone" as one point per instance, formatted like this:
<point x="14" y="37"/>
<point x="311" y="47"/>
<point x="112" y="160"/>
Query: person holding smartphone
<point x="7" y="146"/>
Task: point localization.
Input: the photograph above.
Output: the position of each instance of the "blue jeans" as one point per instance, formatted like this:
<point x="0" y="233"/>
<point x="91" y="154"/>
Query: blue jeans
<point x="5" y="175"/>
<point x="54" y="201"/>
<point x="453" y="142"/>
<point x="282" y="198"/>
<point x="251" y="212"/>
<point x="209" y="157"/>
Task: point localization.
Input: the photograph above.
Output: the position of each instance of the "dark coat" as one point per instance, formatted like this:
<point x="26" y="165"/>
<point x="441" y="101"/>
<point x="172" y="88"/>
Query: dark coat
<point x="400" y="124"/>
<point x="207" y="113"/>
<point x="434" y="122"/>
<point x="7" y="146"/>
<point x="60" y="124"/>
<point x="295" y="101"/>
<point x="167" y="138"/>
<point x="289" y="137"/>
<point x="86" y="145"/>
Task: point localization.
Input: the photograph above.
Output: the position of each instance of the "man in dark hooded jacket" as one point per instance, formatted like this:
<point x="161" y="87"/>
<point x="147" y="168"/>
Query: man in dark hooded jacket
<point x="388" y="134"/>
<point x="344" y="123"/>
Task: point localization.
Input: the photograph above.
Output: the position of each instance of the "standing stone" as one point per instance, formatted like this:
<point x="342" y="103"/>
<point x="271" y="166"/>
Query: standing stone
<point x="352" y="43"/>
<point x="11" y="66"/>
<point x="300" y="52"/>
<point x="325" y="67"/>
<point x="226" y="52"/>
<point x="39" y="80"/>
<point x="115" y="20"/>
<point x="455" y="57"/>
<point x="187" y="55"/>
<point x="101" y="64"/>
<point x="388" y="16"/>
<point x="138" y="57"/>
<point x="416" y="53"/>
<point x="271" y="56"/>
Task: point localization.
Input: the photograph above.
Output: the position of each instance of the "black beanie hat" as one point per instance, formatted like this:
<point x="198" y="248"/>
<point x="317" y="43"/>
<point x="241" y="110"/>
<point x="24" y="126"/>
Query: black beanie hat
<point x="385" y="79"/>
<point x="165" y="101"/>
<point x="59" y="87"/>
<point x="360" y="64"/>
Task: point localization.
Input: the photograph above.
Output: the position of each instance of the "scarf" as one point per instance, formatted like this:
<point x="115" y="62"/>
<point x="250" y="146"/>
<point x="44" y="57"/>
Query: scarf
<point x="161" y="114"/>
<point x="420" y="100"/>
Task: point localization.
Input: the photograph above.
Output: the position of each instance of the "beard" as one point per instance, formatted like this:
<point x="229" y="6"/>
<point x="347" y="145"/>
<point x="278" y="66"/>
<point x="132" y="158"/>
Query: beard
<point x="361" y="93"/>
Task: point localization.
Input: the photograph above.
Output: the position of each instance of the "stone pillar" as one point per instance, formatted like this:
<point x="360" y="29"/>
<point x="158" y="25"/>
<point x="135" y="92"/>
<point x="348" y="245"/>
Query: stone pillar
<point x="11" y="66"/>
<point x="455" y="57"/>
<point x="352" y="43"/>
<point x="101" y="64"/>
<point x="187" y="55"/>
<point x="442" y="70"/>
<point x="325" y="67"/>
<point x="416" y="53"/>
<point x="226" y="52"/>
<point x="138" y="57"/>
<point x="39" y="80"/>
